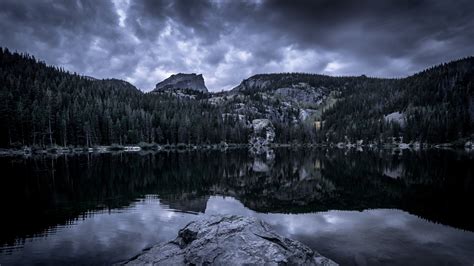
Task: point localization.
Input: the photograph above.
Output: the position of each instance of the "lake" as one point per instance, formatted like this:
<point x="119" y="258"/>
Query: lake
<point x="354" y="207"/>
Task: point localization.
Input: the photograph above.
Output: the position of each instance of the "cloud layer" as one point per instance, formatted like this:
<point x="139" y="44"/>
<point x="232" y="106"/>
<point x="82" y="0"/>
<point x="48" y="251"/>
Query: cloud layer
<point x="145" y="41"/>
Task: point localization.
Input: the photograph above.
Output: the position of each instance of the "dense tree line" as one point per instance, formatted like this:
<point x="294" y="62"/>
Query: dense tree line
<point x="45" y="106"/>
<point x="437" y="106"/>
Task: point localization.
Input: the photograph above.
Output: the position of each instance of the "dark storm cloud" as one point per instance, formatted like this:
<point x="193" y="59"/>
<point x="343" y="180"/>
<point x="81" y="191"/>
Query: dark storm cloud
<point x="81" y="35"/>
<point x="144" y="41"/>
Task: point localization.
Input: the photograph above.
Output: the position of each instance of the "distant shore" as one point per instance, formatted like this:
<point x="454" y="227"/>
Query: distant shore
<point x="118" y="148"/>
<point x="27" y="150"/>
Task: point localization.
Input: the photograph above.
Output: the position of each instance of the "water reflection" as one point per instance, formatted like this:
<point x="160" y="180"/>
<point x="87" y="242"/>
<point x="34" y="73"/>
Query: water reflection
<point x="349" y="237"/>
<point x="105" y="207"/>
<point x="366" y="238"/>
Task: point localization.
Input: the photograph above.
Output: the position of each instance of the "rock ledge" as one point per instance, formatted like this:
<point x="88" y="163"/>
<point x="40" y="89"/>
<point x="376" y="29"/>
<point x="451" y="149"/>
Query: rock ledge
<point x="230" y="240"/>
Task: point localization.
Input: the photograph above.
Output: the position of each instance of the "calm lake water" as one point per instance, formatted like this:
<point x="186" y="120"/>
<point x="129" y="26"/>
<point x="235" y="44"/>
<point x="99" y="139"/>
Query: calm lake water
<point x="357" y="208"/>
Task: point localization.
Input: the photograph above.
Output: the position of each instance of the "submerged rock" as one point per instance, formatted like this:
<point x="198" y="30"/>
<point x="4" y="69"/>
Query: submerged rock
<point x="230" y="240"/>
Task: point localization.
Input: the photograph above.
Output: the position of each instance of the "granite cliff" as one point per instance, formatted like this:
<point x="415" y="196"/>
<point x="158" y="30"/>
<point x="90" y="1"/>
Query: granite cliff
<point x="182" y="81"/>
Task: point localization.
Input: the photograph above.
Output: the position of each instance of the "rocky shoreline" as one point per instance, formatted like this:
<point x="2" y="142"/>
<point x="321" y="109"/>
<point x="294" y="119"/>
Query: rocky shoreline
<point x="118" y="148"/>
<point x="225" y="146"/>
<point x="229" y="240"/>
<point x="260" y="141"/>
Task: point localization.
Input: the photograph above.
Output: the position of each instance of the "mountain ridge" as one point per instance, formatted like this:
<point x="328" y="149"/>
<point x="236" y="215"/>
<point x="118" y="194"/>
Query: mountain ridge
<point x="184" y="81"/>
<point x="321" y="77"/>
<point x="45" y="106"/>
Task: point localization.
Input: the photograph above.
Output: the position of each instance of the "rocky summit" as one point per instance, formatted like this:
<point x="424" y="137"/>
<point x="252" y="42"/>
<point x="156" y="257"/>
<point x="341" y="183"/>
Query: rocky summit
<point x="182" y="81"/>
<point x="230" y="240"/>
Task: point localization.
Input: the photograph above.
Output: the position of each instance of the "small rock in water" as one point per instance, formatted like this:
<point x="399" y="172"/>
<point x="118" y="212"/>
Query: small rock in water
<point x="230" y="240"/>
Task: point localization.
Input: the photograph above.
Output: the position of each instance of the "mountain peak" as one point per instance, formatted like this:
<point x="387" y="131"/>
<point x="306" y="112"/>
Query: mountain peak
<point x="190" y="81"/>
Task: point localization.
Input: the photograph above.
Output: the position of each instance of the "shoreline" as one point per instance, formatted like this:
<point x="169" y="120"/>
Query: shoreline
<point x="27" y="150"/>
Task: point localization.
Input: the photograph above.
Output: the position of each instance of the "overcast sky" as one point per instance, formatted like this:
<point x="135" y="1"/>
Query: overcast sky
<point x="145" y="41"/>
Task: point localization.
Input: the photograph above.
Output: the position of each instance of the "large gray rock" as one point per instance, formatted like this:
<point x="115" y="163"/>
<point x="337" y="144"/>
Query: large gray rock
<point x="230" y="240"/>
<point x="182" y="81"/>
<point x="263" y="132"/>
<point x="288" y="86"/>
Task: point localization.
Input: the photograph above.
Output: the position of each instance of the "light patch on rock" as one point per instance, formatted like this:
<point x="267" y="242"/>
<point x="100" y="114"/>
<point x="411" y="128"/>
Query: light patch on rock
<point x="260" y="167"/>
<point x="263" y="132"/>
<point x="306" y="113"/>
<point x="396" y="117"/>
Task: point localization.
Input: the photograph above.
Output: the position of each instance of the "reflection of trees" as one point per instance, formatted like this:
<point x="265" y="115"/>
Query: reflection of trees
<point x="440" y="186"/>
<point x="40" y="192"/>
<point x="288" y="183"/>
<point x="435" y="184"/>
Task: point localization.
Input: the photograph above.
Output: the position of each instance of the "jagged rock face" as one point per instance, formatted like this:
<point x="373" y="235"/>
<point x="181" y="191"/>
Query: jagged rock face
<point x="302" y="93"/>
<point x="263" y="132"/>
<point x="297" y="85"/>
<point x="182" y="81"/>
<point x="230" y="240"/>
<point x="253" y="83"/>
<point x="284" y="94"/>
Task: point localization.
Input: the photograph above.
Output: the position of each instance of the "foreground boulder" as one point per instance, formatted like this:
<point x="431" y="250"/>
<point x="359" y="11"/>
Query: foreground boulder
<point x="230" y="240"/>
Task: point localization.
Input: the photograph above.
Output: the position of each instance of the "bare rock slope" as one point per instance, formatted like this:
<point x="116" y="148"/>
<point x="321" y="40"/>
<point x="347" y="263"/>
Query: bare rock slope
<point x="230" y="240"/>
<point x="182" y="81"/>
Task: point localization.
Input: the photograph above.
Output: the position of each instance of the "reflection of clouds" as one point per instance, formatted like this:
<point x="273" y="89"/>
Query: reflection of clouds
<point x="104" y="236"/>
<point x="349" y="237"/>
<point x="367" y="237"/>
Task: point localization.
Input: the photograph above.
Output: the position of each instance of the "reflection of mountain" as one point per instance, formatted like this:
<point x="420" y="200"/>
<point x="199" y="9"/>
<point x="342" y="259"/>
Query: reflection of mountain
<point x="288" y="186"/>
<point x="186" y="202"/>
<point x="437" y="185"/>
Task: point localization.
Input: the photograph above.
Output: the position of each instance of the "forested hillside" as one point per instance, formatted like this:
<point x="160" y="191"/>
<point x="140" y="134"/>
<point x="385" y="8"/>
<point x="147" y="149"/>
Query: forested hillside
<point x="43" y="105"/>
<point x="434" y="106"/>
<point x="46" y="106"/>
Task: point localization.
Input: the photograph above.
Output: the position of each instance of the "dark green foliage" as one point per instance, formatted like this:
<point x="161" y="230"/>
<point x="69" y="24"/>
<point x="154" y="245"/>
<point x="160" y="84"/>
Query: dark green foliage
<point x="46" y="106"/>
<point x="438" y="105"/>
